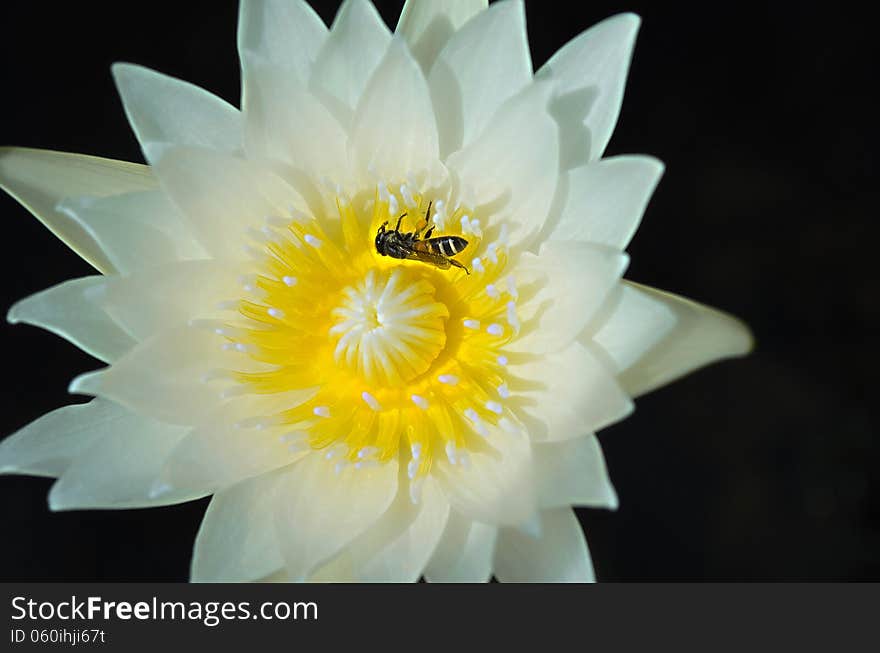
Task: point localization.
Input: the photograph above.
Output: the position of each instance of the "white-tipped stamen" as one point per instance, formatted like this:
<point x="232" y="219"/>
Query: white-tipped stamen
<point x="477" y="422"/>
<point x="371" y="401"/>
<point x="412" y="468"/>
<point x="463" y="459"/>
<point x="277" y="313"/>
<point x="492" y="291"/>
<point x="471" y="324"/>
<point x="511" y="287"/>
<point x="495" y="329"/>
<point x="509" y="426"/>
<point x="289" y="281"/>
<point x="393" y="206"/>
<point x="406" y="195"/>
<point x="311" y="240"/>
<point x="366" y="452"/>
<point x="492" y="252"/>
<point x="339" y="466"/>
<point x="495" y="407"/>
<point x="321" y="411"/>
<point x="477" y="264"/>
<point x="384" y="195"/>
<point x="448" y="379"/>
<point x="503" y="391"/>
<point x="419" y="401"/>
<point x="450" y="452"/>
<point x="416" y="449"/>
<point x="502" y="360"/>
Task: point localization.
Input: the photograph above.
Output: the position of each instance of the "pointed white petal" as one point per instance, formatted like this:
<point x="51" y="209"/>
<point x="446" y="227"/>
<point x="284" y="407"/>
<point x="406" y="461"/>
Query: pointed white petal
<point x="236" y="541"/>
<point x="560" y="555"/>
<point x="39" y="179"/>
<point x="69" y="310"/>
<point x="163" y="110"/>
<point x="575" y="278"/>
<point x="464" y="553"/>
<point x="397" y="547"/>
<point x="427" y="25"/>
<point x="348" y="58"/>
<point x="165" y="376"/>
<point x="220" y="452"/>
<point x="496" y="487"/>
<point x="595" y="65"/>
<point x="135" y="230"/>
<point x="286" y="123"/>
<point x="48" y="445"/>
<point x="482" y="65"/>
<point x="158" y="298"/>
<point x="286" y="33"/>
<point x="568" y="393"/>
<point x="119" y="469"/>
<point x="700" y="335"/>
<point x="628" y="325"/>
<point x="394" y="132"/>
<point x="319" y="511"/>
<point x="606" y="200"/>
<point x="573" y="473"/>
<point x="520" y="188"/>
<point x="222" y="195"/>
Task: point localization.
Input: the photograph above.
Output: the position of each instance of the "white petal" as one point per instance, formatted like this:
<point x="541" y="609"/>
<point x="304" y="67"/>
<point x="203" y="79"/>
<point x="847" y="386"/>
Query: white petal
<point x="220" y="452"/>
<point x="397" y="547"/>
<point x="222" y="195"/>
<point x="164" y="376"/>
<point x="606" y="200"/>
<point x="427" y="25"/>
<point x="158" y="298"/>
<point x="236" y="541"/>
<point x="593" y="65"/>
<point x="285" y="122"/>
<point x="135" y="230"/>
<point x="319" y="512"/>
<point x="573" y="473"/>
<point x="464" y="553"/>
<point x="48" y="445"/>
<point x="568" y="393"/>
<point x="394" y="132"/>
<point x="520" y="188"/>
<point x="497" y="487"/>
<point x="39" y="179"/>
<point x="629" y="325"/>
<point x="119" y="469"/>
<point x="701" y="335"/>
<point x="482" y="65"/>
<point x="68" y="310"/>
<point x="560" y="555"/>
<point x="577" y="277"/>
<point x="348" y="58"/>
<point x="286" y="33"/>
<point x="163" y="110"/>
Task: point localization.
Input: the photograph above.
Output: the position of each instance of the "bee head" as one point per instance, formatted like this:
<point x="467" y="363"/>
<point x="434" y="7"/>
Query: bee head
<point x="380" y="239"/>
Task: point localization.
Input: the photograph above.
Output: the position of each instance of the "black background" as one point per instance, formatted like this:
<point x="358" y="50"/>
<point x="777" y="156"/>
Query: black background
<point x="761" y="468"/>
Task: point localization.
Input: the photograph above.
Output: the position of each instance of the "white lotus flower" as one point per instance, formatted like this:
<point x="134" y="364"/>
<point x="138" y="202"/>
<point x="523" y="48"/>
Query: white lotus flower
<point x="357" y="416"/>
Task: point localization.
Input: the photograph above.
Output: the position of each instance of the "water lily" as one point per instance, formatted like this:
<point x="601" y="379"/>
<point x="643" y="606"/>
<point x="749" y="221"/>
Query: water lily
<point x="358" y="416"/>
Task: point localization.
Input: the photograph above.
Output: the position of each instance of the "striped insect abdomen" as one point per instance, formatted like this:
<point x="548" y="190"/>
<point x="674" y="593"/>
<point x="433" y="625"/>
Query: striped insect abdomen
<point x="447" y="245"/>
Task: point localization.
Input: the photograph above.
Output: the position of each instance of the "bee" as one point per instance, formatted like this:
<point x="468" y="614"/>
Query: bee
<point x="415" y="246"/>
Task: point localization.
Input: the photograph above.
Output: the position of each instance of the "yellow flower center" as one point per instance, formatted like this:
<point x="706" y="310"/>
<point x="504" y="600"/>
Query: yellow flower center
<point x="399" y="358"/>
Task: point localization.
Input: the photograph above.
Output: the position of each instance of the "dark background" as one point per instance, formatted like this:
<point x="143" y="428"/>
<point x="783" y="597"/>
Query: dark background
<point x="761" y="468"/>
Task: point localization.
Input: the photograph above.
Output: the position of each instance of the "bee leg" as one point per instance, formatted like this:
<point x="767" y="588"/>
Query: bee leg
<point x="429" y="232"/>
<point x="399" y="220"/>
<point x="382" y="227"/>
<point x="459" y="265"/>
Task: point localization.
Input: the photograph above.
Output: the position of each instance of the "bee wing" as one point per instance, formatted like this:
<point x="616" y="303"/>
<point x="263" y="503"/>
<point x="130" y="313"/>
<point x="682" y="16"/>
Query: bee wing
<point x="423" y="255"/>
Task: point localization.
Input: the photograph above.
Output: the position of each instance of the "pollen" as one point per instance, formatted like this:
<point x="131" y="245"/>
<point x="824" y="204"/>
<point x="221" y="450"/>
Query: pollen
<point x="373" y="358"/>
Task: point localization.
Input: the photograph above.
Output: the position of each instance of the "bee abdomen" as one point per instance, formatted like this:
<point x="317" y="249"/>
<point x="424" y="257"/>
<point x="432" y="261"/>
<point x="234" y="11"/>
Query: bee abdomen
<point x="447" y="245"/>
